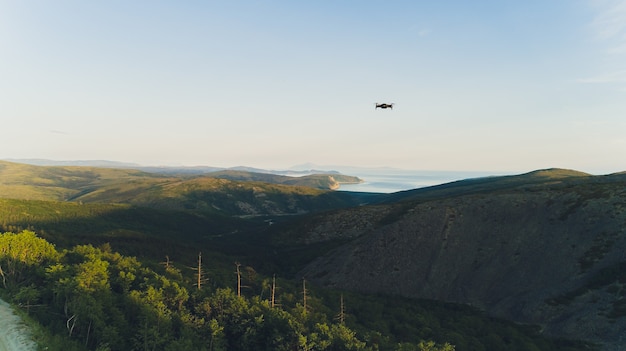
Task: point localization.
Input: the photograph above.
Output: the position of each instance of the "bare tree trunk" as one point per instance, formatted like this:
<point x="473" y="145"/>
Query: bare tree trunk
<point x="304" y="294"/>
<point x="273" y="300"/>
<point x="145" y="336"/>
<point x="342" y="313"/>
<point x="237" y="264"/>
<point x="4" y="279"/>
<point x="72" y="319"/>
<point x="199" y="270"/>
<point x="88" y="331"/>
<point x="70" y="329"/>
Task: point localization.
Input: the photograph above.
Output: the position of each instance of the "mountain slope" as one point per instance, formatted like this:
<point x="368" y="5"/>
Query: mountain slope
<point x="543" y="248"/>
<point x="318" y="181"/>
<point x="539" y="178"/>
<point x="198" y="193"/>
<point x="214" y="195"/>
<point x="310" y="177"/>
<point x="21" y="181"/>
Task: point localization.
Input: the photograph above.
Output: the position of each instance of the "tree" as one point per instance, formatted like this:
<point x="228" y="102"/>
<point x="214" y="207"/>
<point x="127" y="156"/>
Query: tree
<point x="304" y="292"/>
<point x="26" y="296"/>
<point x="238" y="272"/>
<point x="216" y="333"/>
<point x="200" y="276"/>
<point x="200" y="271"/>
<point x="273" y="293"/>
<point x="336" y="337"/>
<point x="23" y="256"/>
<point x="341" y="317"/>
<point x="85" y="289"/>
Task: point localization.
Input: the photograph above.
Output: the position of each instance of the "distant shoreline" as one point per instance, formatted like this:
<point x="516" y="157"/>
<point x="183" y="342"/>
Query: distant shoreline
<point x="389" y="181"/>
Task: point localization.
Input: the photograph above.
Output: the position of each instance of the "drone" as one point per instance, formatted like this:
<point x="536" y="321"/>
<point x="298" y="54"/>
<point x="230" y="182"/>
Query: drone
<point x="384" y="106"/>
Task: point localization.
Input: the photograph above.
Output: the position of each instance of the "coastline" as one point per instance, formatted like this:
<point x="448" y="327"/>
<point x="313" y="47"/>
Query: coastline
<point x="391" y="181"/>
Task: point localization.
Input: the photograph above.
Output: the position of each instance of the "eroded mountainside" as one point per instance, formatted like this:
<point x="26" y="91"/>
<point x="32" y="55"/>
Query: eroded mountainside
<point x="546" y="248"/>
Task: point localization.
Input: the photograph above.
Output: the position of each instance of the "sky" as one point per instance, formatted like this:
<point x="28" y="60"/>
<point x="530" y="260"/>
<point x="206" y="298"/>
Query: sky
<point x="493" y="85"/>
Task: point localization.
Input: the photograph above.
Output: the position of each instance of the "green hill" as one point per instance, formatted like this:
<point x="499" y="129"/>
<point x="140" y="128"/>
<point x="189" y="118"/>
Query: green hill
<point x="21" y="181"/>
<point x="318" y="181"/>
<point x="252" y="195"/>
<point x="532" y="180"/>
<point x="284" y="230"/>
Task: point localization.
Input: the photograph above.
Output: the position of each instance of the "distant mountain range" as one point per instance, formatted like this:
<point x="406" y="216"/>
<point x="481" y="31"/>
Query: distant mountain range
<point x="545" y="248"/>
<point x="238" y="192"/>
<point x="299" y="170"/>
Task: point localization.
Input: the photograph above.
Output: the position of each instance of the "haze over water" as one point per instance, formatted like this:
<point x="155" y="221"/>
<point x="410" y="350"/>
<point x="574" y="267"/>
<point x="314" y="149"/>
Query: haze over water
<point x="390" y="181"/>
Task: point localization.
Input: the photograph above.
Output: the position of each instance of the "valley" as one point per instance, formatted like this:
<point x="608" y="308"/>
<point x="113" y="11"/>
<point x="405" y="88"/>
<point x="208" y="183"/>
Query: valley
<point x="542" y="249"/>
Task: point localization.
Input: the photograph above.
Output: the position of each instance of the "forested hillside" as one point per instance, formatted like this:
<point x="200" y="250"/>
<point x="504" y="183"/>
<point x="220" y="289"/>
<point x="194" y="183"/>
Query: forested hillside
<point x="253" y="195"/>
<point x="80" y="241"/>
<point x="94" y="298"/>
<point x="320" y="181"/>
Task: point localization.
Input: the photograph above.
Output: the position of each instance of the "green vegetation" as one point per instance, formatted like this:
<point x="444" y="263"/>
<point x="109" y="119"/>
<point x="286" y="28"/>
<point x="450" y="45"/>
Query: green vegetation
<point x="94" y="298"/>
<point x="206" y="194"/>
<point x="101" y="300"/>
<point x="126" y="227"/>
<point x="114" y="266"/>
<point x="318" y="181"/>
<point x="22" y="181"/>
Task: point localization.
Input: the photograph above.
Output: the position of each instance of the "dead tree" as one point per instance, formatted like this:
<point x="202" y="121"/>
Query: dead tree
<point x="238" y="272"/>
<point x="88" y="332"/>
<point x="304" y="291"/>
<point x="4" y="279"/>
<point x="71" y="320"/>
<point x="200" y="276"/>
<point x="166" y="264"/>
<point x="199" y="271"/>
<point x="341" y="317"/>
<point x="273" y="298"/>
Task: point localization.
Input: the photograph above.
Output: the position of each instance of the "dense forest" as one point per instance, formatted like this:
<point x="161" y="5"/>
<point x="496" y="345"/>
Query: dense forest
<point x="102" y="300"/>
<point x="92" y="298"/>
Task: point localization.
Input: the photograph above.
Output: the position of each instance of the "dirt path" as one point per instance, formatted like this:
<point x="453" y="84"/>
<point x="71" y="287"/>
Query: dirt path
<point x="13" y="334"/>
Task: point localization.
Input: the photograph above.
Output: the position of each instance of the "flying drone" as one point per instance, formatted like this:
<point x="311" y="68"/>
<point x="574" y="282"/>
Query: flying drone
<point x="384" y="106"/>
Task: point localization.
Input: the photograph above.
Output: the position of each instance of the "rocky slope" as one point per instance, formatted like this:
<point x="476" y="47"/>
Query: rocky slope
<point x="550" y="252"/>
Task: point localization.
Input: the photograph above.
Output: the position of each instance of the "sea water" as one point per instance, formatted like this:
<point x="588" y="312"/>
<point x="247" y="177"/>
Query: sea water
<point x="398" y="180"/>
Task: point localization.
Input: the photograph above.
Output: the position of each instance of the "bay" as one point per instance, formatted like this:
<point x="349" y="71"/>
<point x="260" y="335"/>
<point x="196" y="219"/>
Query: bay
<point x="390" y="181"/>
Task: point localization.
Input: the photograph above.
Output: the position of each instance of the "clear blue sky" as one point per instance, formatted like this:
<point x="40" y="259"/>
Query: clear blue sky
<point x="477" y="85"/>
